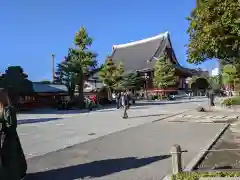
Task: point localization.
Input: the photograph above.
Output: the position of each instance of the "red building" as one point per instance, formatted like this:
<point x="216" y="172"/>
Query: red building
<point x="142" y="55"/>
<point x="47" y="95"/>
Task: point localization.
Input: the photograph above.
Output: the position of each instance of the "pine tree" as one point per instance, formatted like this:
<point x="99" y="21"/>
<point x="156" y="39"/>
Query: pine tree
<point x="65" y="75"/>
<point x="83" y="61"/>
<point x="111" y="74"/>
<point x="164" y="73"/>
<point x="132" y="81"/>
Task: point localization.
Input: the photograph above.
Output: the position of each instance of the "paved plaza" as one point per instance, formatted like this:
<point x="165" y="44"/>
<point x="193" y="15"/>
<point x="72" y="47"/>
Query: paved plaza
<point x="53" y="130"/>
<point x="102" y="145"/>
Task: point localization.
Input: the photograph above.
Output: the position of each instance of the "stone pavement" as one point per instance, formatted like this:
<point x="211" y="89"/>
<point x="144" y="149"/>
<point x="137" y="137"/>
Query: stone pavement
<point x="137" y="153"/>
<point x="44" y="133"/>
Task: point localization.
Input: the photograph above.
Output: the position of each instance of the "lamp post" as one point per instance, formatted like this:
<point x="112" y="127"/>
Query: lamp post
<point x="188" y="80"/>
<point x="146" y="77"/>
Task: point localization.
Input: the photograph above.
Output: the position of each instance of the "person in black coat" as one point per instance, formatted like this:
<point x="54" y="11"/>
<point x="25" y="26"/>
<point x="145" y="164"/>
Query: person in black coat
<point x="211" y="96"/>
<point x="13" y="165"/>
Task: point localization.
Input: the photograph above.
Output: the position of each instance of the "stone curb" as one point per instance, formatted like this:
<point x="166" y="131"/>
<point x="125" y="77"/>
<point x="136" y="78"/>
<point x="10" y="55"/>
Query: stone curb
<point x="194" y="162"/>
<point x="199" y="157"/>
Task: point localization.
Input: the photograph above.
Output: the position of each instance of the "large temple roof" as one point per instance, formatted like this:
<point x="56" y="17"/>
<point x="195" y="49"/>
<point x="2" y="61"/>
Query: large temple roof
<point x="142" y="54"/>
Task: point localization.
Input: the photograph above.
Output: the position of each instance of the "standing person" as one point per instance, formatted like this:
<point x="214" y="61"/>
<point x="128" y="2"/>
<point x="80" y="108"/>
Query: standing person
<point x="118" y="97"/>
<point x="13" y="163"/>
<point x="125" y="103"/>
<point x="211" y="97"/>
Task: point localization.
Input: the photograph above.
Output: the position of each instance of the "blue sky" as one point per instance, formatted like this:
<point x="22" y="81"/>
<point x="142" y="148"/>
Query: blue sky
<point x="32" y="30"/>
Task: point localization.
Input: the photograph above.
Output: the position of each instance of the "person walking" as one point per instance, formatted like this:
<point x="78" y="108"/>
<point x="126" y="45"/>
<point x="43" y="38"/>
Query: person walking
<point x="125" y="103"/>
<point x="13" y="165"/>
<point x="211" y="97"/>
<point x="118" y="97"/>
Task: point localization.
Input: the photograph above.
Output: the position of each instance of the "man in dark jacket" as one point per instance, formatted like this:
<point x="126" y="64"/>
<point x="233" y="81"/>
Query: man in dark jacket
<point x="13" y="162"/>
<point x="211" y="97"/>
<point x="125" y="98"/>
<point x="118" y="97"/>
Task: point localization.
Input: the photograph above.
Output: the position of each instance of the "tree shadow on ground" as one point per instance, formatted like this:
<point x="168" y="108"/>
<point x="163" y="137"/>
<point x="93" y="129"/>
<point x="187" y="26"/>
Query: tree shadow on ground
<point x="70" y="111"/>
<point x="37" y="120"/>
<point x="164" y="103"/>
<point x="95" y="169"/>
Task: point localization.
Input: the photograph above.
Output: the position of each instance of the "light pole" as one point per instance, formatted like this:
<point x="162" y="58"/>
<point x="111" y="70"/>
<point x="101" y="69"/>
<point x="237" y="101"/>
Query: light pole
<point x="146" y="77"/>
<point x="53" y="67"/>
<point x="188" y="80"/>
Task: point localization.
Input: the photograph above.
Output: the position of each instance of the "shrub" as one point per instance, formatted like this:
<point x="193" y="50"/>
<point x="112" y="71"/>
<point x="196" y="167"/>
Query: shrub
<point x="232" y="101"/>
<point x="196" y="176"/>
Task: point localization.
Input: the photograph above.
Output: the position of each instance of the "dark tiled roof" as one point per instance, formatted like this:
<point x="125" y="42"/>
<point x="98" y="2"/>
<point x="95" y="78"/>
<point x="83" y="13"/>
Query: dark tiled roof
<point x="58" y="88"/>
<point x="49" y="88"/>
<point x="136" y="55"/>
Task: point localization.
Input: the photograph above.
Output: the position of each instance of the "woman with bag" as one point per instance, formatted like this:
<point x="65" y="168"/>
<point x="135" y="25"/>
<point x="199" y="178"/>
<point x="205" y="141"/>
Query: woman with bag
<point x="13" y="163"/>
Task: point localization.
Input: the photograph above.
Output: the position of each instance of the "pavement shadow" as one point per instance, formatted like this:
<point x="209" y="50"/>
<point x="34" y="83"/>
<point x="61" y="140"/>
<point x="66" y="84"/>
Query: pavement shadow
<point x="38" y="120"/>
<point x="70" y="111"/>
<point x="95" y="169"/>
<point x="165" y="102"/>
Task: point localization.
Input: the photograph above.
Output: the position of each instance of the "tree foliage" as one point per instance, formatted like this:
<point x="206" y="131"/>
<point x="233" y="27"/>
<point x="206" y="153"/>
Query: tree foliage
<point x="214" y="82"/>
<point x="164" y="73"/>
<point x="83" y="61"/>
<point x="15" y="79"/>
<point x="214" y="31"/>
<point x="16" y="82"/>
<point x="231" y="75"/>
<point x="199" y="83"/>
<point x="66" y="76"/>
<point x="132" y="81"/>
<point x="111" y="74"/>
<point x="202" y="83"/>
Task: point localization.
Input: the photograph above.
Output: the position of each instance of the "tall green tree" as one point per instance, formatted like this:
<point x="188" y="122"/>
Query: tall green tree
<point x="229" y="75"/>
<point x="66" y="76"/>
<point x="214" y="31"/>
<point x="111" y="74"/>
<point x="132" y="81"/>
<point x="214" y="82"/>
<point x="164" y="73"/>
<point x="83" y="61"/>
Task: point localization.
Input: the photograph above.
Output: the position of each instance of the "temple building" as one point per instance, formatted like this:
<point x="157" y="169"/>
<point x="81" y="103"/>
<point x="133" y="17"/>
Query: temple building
<point x="142" y="55"/>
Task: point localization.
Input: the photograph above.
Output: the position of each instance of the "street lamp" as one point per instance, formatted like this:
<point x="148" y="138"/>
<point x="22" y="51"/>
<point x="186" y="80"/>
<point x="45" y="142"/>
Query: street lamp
<point x="187" y="80"/>
<point x="146" y="77"/>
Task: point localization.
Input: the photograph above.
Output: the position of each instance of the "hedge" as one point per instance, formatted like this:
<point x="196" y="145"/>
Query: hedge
<point x="197" y="175"/>
<point x="232" y="101"/>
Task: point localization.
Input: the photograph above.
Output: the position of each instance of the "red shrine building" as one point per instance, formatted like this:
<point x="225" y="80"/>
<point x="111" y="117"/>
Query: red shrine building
<point x="142" y="55"/>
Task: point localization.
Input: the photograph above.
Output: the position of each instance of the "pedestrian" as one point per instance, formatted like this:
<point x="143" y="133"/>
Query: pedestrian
<point x="13" y="164"/>
<point x="211" y="97"/>
<point x="118" y="97"/>
<point x="125" y="103"/>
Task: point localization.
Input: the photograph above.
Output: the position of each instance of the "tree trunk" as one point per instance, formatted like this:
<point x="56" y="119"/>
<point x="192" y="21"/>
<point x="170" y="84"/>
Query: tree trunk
<point x="109" y="94"/>
<point x="71" y="91"/>
<point x="80" y="92"/>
